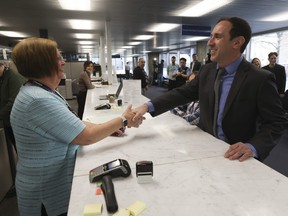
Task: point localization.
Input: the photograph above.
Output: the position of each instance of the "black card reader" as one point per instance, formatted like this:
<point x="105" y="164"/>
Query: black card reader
<point x="115" y="168"/>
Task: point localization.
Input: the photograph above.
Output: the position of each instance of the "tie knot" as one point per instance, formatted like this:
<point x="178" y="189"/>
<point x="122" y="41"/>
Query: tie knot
<point x="221" y="71"/>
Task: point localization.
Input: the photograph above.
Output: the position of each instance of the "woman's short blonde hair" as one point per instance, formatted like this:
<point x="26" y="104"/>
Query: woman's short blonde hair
<point x="36" y="57"/>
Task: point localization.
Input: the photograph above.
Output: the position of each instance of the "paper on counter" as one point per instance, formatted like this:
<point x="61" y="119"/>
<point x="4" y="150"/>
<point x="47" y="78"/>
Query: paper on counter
<point x="136" y="208"/>
<point x="122" y="212"/>
<point x="92" y="209"/>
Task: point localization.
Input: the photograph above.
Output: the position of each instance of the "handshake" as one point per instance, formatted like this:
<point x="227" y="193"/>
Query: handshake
<point x="134" y="118"/>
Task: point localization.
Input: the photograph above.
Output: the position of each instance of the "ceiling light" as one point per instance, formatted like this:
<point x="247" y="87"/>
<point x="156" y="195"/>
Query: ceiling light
<point x="276" y="18"/>
<point x="86" y="42"/>
<point x="87" y="46"/>
<point x="134" y="43"/>
<point x="145" y="51"/>
<point x="162" y="27"/>
<point x="127" y="47"/>
<point x="83" y="36"/>
<point x="80" y="5"/>
<point x="196" y="38"/>
<point x="203" y="7"/>
<point x="143" y="37"/>
<point x="120" y="51"/>
<point x="13" y="34"/>
<point x="162" y="47"/>
<point x="81" y="24"/>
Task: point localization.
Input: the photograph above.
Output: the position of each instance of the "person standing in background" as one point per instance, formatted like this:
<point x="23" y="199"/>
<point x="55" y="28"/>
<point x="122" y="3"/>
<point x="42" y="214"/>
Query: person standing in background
<point x="155" y="72"/>
<point x="10" y="83"/>
<point x="171" y="70"/>
<point x="257" y="62"/>
<point x="127" y="70"/>
<point x="160" y="73"/>
<point x="182" y="74"/>
<point x="84" y="83"/>
<point x="208" y="58"/>
<point x="195" y="64"/>
<point x="278" y="71"/>
<point x="139" y="73"/>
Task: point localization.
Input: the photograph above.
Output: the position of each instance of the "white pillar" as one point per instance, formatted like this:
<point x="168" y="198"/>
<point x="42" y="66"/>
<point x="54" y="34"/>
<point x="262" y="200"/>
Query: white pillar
<point x="109" y="53"/>
<point x="4" y="54"/>
<point x="102" y="60"/>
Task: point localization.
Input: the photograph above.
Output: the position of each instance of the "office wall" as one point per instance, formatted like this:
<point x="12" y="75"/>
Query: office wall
<point x="73" y="69"/>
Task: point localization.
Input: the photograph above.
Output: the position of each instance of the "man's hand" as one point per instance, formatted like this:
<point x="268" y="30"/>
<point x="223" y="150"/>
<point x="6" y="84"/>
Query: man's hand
<point x="139" y="112"/>
<point x="129" y="114"/>
<point x="178" y="73"/>
<point x="239" y="151"/>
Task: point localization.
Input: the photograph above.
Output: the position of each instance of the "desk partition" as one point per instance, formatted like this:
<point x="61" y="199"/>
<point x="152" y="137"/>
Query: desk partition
<point x="191" y="176"/>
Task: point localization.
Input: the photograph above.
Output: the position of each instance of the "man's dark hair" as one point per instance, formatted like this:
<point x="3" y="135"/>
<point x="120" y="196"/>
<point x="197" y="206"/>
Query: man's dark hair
<point x="184" y="59"/>
<point x="240" y="27"/>
<point x="272" y="53"/>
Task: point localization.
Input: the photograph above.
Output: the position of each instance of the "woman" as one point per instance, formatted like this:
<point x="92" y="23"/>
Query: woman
<point x="47" y="132"/>
<point x="256" y="62"/>
<point x="84" y="83"/>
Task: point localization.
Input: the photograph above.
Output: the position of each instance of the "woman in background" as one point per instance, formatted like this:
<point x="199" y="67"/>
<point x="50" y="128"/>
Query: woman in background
<point x="84" y="83"/>
<point x="256" y="62"/>
<point x="48" y="132"/>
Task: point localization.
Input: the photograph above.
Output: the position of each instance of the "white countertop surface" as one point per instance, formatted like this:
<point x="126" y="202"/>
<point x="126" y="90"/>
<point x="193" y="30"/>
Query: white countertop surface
<point x="191" y="176"/>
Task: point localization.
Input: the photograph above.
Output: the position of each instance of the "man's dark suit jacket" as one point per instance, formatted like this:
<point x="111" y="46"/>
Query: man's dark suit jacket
<point x="139" y="73"/>
<point x="280" y="74"/>
<point x="252" y="114"/>
<point x="196" y="67"/>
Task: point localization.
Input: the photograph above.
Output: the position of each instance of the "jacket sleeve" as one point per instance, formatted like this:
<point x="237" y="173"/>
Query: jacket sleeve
<point x="176" y="97"/>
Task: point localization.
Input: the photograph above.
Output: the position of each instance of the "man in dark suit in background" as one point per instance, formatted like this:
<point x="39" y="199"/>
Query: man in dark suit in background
<point x="278" y="71"/>
<point x="139" y="73"/>
<point x="195" y="64"/>
<point x="249" y="115"/>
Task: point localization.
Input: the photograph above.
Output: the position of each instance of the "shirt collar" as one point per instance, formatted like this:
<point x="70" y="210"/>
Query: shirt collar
<point x="230" y="69"/>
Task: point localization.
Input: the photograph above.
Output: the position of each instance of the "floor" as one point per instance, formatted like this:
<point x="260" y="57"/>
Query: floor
<point x="8" y="206"/>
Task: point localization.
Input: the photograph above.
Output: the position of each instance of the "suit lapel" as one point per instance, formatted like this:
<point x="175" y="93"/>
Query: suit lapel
<point x="240" y="76"/>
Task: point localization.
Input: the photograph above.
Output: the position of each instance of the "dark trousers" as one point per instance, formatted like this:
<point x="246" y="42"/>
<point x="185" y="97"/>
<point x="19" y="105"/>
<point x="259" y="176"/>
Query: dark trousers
<point x="81" y="98"/>
<point x="10" y="140"/>
<point x="127" y="74"/>
<point x="171" y="84"/>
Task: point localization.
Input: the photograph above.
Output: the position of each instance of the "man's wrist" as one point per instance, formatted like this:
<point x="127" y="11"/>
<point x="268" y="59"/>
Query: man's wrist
<point x="149" y="107"/>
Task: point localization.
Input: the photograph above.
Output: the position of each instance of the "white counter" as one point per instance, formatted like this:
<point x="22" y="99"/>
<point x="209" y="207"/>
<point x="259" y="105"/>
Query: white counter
<point x="191" y="176"/>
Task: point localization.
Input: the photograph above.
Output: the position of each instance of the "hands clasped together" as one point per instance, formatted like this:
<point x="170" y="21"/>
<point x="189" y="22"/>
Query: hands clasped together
<point x="134" y="118"/>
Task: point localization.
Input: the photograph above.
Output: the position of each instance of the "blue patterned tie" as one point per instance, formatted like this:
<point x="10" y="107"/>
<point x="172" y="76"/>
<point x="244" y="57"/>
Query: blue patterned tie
<point x="217" y="83"/>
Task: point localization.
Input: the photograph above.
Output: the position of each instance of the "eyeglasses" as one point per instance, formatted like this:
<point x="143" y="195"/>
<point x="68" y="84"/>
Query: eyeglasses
<point x="60" y="58"/>
<point x="182" y="62"/>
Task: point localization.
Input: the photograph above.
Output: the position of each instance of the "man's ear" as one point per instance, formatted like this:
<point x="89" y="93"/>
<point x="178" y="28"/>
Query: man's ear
<point x="239" y="41"/>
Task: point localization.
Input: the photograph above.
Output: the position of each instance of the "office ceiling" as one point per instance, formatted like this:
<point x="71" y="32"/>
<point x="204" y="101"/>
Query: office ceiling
<point x="127" y="19"/>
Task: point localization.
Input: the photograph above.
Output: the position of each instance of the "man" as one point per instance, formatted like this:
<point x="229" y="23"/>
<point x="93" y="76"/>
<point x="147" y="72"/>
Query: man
<point x="139" y="73"/>
<point x="250" y="116"/>
<point x="171" y="70"/>
<point x="195" y="64"/>
<point x="160" y="73"/>
<point x="10" y="84"/>
<point x="278" y="71"/>
<point x="182" y="74"/>
<point x="127" y="70"/>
